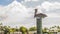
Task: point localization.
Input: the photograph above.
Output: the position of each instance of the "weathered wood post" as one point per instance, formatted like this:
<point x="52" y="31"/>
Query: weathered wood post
<point x="39" y="21"/>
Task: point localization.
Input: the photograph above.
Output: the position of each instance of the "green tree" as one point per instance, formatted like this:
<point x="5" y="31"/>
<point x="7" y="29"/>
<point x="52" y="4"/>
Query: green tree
<point x="12" y="30"/>
<point x="45" y="29"/>
<point x="32" y="29"/>
<point x="6" y="30"/>
<point x="17" y="29"/>
<point x="58" y="28"/>
<point x="1" y="27"/>
<point x="23" y="29"/>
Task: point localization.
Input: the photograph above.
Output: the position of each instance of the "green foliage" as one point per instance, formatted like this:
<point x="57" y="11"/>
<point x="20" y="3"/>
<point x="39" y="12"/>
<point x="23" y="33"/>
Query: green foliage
<point x="17" y="29"/>
<point x="12" y="30"/>
<point x="33" y="29"/>
<point x="6" y="30"/>
<point x="23" y="29"/>
<point x="45" y="29"/>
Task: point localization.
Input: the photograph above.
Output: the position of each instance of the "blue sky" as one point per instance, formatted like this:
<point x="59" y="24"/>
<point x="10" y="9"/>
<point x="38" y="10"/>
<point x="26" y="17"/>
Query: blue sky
<point x="7" y="2"/>
<point x="13" y="15"/>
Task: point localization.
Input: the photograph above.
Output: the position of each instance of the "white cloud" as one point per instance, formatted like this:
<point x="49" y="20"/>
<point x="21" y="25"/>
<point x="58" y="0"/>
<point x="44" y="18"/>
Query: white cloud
<point x="1" y="7"/>
<point x="52" y="15"/>
<point x="18" y="14"/>
<point x="49" y="6"/>
<point x="46" y="5"/>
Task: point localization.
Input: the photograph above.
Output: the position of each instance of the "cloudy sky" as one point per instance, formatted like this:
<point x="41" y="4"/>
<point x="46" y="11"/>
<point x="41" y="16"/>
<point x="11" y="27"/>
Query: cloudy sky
<point x="21" y="12"/>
